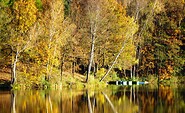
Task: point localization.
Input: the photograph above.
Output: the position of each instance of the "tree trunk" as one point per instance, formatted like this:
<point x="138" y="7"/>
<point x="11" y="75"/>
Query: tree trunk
<point x="73" y="68"/>
<point x="134" y="70"/>
<point x="131" y="74"/>
<point x="138" y="56"/>
<point x="103" y="64"/>
<point x="14" y="66"/>
<point x="121" y="50"/>
<point x="47" y="71"/>
<point x="62" y="65"/>
<point x="91" y="57"/>
<point x="95" y="69"/>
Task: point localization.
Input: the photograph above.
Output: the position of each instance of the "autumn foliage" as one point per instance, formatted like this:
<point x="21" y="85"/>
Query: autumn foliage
<point x="41" y="39"/>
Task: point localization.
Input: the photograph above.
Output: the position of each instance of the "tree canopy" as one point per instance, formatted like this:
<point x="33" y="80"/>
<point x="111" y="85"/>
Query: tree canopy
<point x="41" y="39"/>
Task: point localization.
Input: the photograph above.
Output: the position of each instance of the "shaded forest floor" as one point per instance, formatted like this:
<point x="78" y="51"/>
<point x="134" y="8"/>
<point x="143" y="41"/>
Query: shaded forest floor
<point x="4" y="77"/>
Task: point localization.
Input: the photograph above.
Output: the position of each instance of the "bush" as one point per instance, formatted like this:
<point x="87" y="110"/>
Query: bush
<point x="100" y="73"/>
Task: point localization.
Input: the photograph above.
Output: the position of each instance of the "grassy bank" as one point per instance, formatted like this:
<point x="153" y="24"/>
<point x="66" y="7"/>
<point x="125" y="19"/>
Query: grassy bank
<point x="67" y="81"/>
<point x="75" y="81"/>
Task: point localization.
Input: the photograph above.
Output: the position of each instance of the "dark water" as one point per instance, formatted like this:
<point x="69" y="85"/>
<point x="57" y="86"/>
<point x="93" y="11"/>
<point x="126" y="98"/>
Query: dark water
<point x="114" y="99"/>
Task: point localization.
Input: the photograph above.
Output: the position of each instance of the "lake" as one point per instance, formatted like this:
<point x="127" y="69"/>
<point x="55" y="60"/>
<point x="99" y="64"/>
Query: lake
<point x="113" y="99"/>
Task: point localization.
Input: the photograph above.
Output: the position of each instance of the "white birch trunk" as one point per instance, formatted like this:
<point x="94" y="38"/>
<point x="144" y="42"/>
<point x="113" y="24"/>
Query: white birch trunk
<point x="114" y="62"/>
<point x="14" y="66"/>
<point x="91" y="58"/>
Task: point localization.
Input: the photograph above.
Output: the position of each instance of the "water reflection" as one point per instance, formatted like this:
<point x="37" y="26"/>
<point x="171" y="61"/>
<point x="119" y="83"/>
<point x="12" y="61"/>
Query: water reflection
<point x="136" y="99"/>
<point x="13" y="97"/>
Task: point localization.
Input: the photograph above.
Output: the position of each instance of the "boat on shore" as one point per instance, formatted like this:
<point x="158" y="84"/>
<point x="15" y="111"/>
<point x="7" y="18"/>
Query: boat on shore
<point x="127" y="82"/>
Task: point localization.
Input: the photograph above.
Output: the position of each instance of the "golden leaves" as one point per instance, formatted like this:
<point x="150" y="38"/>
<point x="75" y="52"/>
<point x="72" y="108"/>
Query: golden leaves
<point x="25" y="14"/>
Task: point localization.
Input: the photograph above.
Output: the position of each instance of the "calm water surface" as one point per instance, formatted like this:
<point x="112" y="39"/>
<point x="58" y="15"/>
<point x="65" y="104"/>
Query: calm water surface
<point x="114" y="99"/>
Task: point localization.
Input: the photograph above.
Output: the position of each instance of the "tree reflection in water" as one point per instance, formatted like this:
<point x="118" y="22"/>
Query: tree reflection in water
<point x="13" y="102"/>
<point x="112" y="106"/>
<point x="128" y="99"/>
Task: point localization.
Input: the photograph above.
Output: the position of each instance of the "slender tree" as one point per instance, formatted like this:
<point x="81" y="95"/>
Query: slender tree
<point x="24" y="13"/>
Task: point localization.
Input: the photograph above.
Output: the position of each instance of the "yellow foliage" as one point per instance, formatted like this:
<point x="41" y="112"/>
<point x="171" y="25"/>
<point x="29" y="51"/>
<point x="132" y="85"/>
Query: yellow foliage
<point x="25" y="13"/>
<point x="101" y="72"/>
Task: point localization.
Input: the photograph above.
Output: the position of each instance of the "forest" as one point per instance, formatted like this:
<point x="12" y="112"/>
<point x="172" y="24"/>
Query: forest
<point x="46" y="42"/>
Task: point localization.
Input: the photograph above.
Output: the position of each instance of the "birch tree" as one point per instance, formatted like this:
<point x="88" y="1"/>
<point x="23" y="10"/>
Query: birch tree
<point x="104" y="28"/>
<point x="54" y="18"/>
<point x="56" y="30"/>
<point x="24" y="13"/>
<point x="94" y="18"/>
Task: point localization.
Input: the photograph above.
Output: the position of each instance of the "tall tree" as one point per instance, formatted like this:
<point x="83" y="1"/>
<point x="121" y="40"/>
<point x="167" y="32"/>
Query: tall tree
<point x="156" y="32"/>
<point x="5" y="21"/>
<point x="94" y="17"/>
<point x="168" y="38"/>
<point x="56" y="29"/>
<point x="107" y="26"/>
<point x="24" y="16"/>
<point x="143" y="13"/>
<point x="54" y="18"/>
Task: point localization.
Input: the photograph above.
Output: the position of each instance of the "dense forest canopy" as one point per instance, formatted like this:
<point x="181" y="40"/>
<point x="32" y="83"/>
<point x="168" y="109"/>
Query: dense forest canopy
<point x="41" y="39"/>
